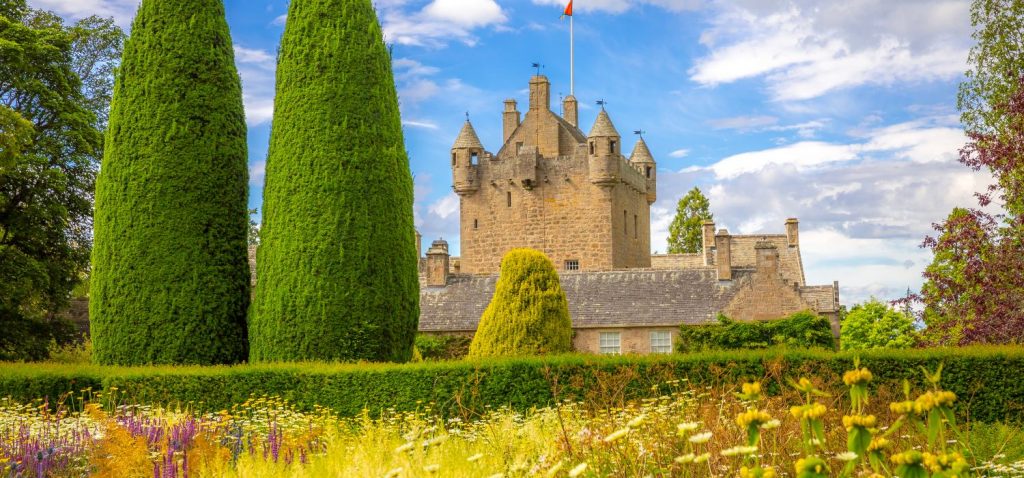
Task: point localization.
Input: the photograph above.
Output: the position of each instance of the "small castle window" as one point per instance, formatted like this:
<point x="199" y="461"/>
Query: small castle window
<point x="453" y="159"/>
<point x="635" y="220"/>
<point x="508" y="198"/>
<point x="648" y="170"/>
<point x="572" y="265"/>
<point x="591" y="147"/>
<point x="476" y="224"/>
<point x="661" y="342"/>
<point x="608" y="343"/>
<point x="474" y="158"/>
<point x="625" y="225"/>
<point x="613" y="147"/>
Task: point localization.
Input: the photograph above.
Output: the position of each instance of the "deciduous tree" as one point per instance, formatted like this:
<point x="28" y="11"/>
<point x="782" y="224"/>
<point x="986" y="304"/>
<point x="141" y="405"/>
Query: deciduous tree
<point x="685" y="234"/>
<point x="875" y="324"/>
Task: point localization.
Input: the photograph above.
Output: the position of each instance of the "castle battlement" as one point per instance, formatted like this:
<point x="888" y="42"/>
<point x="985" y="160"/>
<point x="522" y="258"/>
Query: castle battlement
<point x="550" y="187"/>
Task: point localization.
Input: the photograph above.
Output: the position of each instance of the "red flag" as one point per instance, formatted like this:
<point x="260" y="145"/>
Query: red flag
<point x="568" y="10"/>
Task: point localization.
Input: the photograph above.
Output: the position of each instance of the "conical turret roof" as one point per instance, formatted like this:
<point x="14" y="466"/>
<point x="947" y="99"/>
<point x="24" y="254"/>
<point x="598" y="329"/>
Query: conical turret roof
<point x="467" y="138"/>
<point x="641" y="154"/>
<point x="603" y="126"/>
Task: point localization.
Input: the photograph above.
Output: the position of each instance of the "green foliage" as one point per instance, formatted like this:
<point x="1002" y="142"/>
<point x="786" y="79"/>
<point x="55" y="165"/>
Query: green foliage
<point x="170" y="272"/>
<point x="685" y="234"/>
<point x="986" y="378"/>
<point x="875" y="324"/>
<point x="947" y="302"/>
<point x="801" y="329"/>
<point x="996" y="66"/>
<point x="528" y="314"/>
<point x="443" y="347"/>
<point x="71" y="353"/>
<point x="254" y="229"/>
<point x="50" y="143"/>
<point x="337" y="261"/>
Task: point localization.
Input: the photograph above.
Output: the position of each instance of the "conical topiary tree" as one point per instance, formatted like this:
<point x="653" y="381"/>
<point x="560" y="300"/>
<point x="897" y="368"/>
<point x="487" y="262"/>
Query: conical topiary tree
<point x="337" y="268"/>
<point x="170" y="275"/>
<point x="528" y="314"/>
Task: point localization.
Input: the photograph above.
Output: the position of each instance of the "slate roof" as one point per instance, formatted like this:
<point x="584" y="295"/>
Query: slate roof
<point x="640" y="297"/>
<point x="603" y="126"/>
<point x="467" y="138"/>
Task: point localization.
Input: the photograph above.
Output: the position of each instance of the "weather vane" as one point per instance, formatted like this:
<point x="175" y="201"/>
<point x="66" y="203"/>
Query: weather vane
<point x="538" y="66"/>
<point x="601" y="103"/>
<point x="467" y="116"/>
<point x="639" y="132"/>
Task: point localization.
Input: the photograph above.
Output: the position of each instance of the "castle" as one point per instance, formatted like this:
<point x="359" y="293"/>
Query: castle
<point x="579" y="200"/>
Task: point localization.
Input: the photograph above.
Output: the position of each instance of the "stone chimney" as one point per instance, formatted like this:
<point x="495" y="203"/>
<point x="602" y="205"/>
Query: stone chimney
<point x="723" y="255"/>
<point x="509" y="119"/>
<point x="767" y="257"/>
<point x="708" y="245"/>
<point x="570" y="110"/>
<point x="437" y="264"/>
<point x="419" y="245"/>
<point x="793" y="232"/>
<point x="540" y="93"/>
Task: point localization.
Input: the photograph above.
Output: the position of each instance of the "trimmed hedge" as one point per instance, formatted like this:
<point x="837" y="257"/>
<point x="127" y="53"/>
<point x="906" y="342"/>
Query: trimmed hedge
<point x="801" y="329"/>
<point x="170" y="267"/>
<point x="528" y="314"/>
<point x="336" y="266"/>
<point x="987" y="380"/>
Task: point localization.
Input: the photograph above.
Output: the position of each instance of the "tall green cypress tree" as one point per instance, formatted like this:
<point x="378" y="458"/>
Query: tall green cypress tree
<point x="170" y="277"/>
<point x="337" y="267"/>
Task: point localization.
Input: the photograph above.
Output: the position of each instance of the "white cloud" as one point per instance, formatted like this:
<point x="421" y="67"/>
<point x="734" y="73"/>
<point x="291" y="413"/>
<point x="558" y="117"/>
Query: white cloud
<point x="446" y="206"/>
<point x="256" y="68"/>
<point x="806" y="49"/>
<point x="923" y="140"/>
<point x="743" y="122"/>
<point x="257" y="171"/>
<point x="438" y="22"/>
<point x="620" y="6"/>
<point x="679" y="153"/>
<point x="123" y="11"/>
<point x="280" y="20"/>
<point x="420" y="124"/>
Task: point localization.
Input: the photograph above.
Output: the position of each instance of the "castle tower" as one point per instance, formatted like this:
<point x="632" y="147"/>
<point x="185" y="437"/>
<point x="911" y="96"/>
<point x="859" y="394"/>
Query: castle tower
<point x="643" y="161"/>
<point x="603" y="145"/>
<point x="466" y="154"/>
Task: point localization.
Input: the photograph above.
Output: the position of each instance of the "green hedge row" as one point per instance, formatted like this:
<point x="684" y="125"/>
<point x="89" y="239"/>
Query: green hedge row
<point x="801" y="329"/>
<point x="988" y="380"/>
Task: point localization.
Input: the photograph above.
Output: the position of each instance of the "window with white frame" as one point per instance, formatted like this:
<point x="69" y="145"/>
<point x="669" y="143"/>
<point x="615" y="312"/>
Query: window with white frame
<point x="609" y="343"/>
<point x="661" y="342"/>
<point x="572" y="265"/>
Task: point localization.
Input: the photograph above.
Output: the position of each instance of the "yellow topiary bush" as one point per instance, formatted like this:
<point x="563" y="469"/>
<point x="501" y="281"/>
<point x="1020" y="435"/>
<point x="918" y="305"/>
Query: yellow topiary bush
<point x="528" y="314"/>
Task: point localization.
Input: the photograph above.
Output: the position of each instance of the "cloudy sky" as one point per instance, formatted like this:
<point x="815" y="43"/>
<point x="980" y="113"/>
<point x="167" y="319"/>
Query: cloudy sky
<point x="839" y="113"/>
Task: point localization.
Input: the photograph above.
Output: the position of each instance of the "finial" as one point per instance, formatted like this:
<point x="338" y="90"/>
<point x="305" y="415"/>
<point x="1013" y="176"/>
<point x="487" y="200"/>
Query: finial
<point x="467" y="117"/>
<point x="639" y="132"/>
<point x="601" y="103"/>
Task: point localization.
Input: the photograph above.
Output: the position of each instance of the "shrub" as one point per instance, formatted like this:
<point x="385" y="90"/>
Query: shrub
<point x="443" y="347"/>
<point x="986" y="378"/>
<point x="875" y="324"/>
<point x="528" y="314"/>
<point x="336" y="266"/>
<point x="170" y="274"/>
<point x="802" y="329"/>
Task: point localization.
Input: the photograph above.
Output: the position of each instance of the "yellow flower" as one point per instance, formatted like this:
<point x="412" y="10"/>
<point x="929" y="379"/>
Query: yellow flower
<point x="700" y="437"/>
<point x="757" y="472"/>
<point x="752" y="418"/>
<point x="751" y="388"/>
<point x="912" y="457"/>
<point x="813" y="411"/>
<point x="878" y="443"/>
<point x="684" y="428"/>
<point x="636" y="421"/>
<point x="687" y="458"/>
<point x="857" y="377"/>
<point x="702" y="457"/>
<point x="770" y="424"/>
<point x="578" y="470"/>
<point x="616" y="435"/>
<point x="554" y="469"/>
<point x="863" y="421"/>
<point x="811" y="464"/>
<point x="739" y="450"/>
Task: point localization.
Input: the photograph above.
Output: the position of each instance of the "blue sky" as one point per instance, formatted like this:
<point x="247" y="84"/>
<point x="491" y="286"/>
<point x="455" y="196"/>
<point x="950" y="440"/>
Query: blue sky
<point x="839" y="113"/>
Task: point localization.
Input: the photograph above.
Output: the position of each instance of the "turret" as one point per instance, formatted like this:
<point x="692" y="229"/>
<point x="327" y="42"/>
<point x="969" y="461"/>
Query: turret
<point x="643" y="161"/>
<point x="466" y="154"/>
<point x="603" y="145"/>
<point x="509" y="119"/>
<point x="570" y="110"/>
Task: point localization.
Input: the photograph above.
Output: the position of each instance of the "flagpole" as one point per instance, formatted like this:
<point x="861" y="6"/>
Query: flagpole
<point x="572" y="63"/>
